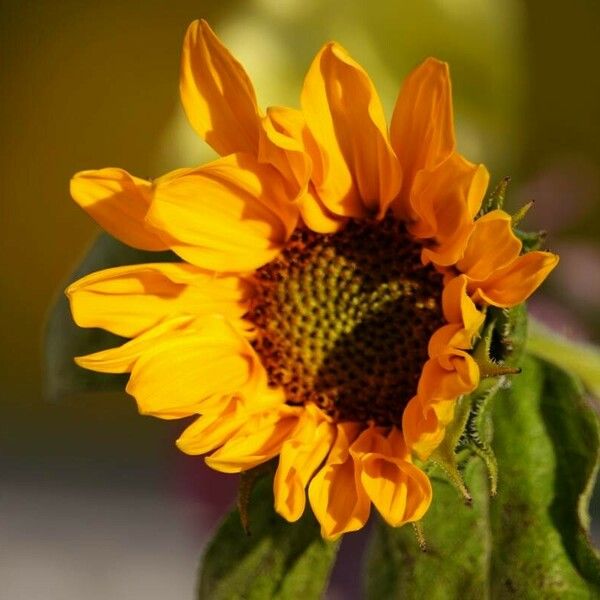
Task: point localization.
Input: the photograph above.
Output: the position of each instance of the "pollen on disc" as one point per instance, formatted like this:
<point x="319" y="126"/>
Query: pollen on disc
<point x="344" y="319"/>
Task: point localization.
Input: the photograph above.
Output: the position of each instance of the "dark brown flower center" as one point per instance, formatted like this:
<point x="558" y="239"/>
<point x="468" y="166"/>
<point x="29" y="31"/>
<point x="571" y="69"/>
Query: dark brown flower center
<point x="343" y="320"/>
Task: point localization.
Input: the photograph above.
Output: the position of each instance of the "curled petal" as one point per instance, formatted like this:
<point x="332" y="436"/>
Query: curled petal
<point x="397" y="444"/>
<point x="516" y="282"/>
<point x="316" y="215"/>
<point x="217" y="426"/>
<point x="457" y="306"/>
<point x="230" y="215"/>
<point x="300" y="457"/>
<point x="372" y="439"/>
<point x="214" y="428"/>
<point x="448" y="376"/>
<point x="492" y="245"/>
<point x="259" y="440"/>
<point x="422" y="129"/>
<point x="118" y="202"/>
<point x="282" y="144"/>
<point x="400" y="491"/>
<point x="444" y="202"/>
<point x="464" y="320"/>
<point x="424" y="424"/>
<point x="357" y="172"/>
<point x="217" y="95"/>
<point x="336" y="493"/>
<point x="288" y="145"/>
<point x="440" y="197"/>
<point x="449" y="336"/>
<point x="130" y="300"/>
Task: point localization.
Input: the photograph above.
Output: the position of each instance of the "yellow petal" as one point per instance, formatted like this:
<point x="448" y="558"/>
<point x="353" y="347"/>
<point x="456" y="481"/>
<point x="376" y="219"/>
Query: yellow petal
<point x="217" y="95"/>
<point x="420" y="493"/>
<point x="230" y="215"/>
<point x="422" y="129"/>
<point x="448" y="376"/>
<point x="372" y="439"/>
<point x="283" y="132"/>
<point x="287" y="144"/>
<point x="456" y="304"/>
<point x="478" y="189"/>
<point x="491" y="246"/>
<point x="464" y="320"/>
<point x="442" y="201"/>
<point x="213" y="429"/>
<point x="123" y="358"/>
<point x="358" y="173"/>
<point x="299" y="458"/>
<point x="397" y="444"/>
<point x="316" y="215"/>
<point x="192" y="372"/>
<point x="447" y="336"/>
<point x="336" y="494"/>
<point x="129" y="300"/>
<point x="257" y="442"/>
<point x="439" y="197"/>
<point x="423" y="429"/>
<point x="400" y="491"/>
<point x="516" y="282"/>
<point x="118" y="202"/>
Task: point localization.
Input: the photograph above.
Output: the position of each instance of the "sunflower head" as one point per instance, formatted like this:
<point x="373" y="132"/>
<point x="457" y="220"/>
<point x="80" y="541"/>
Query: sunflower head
<point x="333" y="277"/>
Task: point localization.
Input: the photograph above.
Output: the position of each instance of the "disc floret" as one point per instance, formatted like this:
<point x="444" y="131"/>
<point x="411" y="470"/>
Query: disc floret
<point x="343" y="320"/>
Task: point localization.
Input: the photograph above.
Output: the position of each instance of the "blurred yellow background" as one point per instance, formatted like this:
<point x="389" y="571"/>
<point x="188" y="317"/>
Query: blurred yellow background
<point x="94" y="84"/>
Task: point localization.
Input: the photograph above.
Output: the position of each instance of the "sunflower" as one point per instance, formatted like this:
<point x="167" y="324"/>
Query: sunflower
<point x="334" y="275"/>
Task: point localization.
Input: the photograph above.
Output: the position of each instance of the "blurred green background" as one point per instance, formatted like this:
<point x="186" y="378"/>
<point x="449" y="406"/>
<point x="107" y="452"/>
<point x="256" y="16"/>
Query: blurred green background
<point x="95" y="502"/>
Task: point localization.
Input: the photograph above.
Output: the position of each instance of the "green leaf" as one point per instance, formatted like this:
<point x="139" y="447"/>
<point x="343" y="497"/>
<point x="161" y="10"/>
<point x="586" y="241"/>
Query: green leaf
<point x="64" y="340"/>
<point x="546" y="440"/>
<point x="455" y="563"/>
<point x="530" y="541"/>
<point x="278" y="560"/>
